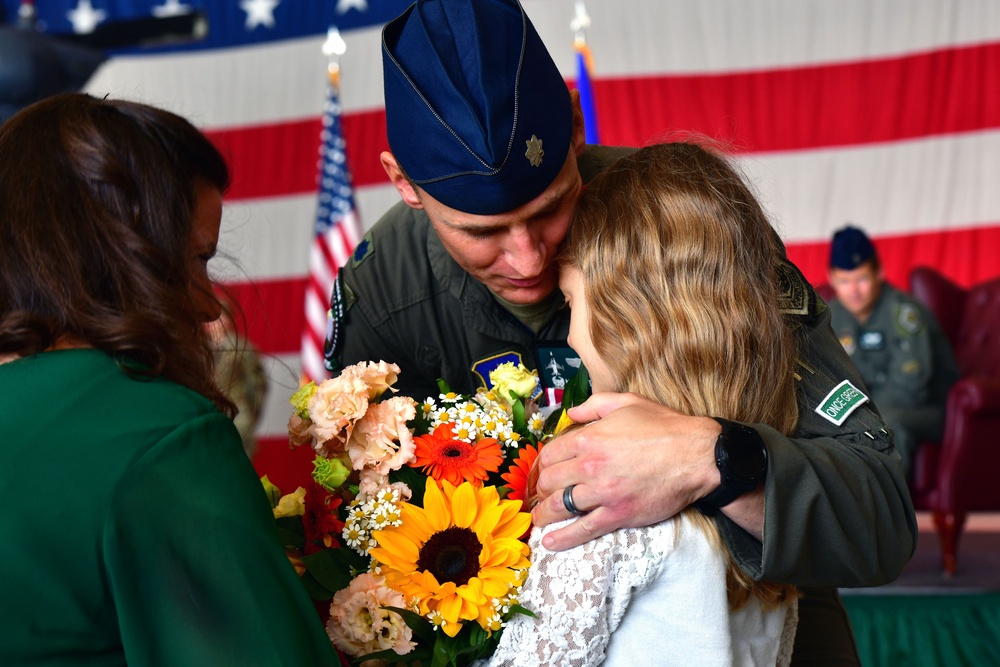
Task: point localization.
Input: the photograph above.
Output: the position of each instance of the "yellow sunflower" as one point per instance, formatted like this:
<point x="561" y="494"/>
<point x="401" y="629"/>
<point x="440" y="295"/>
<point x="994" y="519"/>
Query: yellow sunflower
<point x="456" y="554"/>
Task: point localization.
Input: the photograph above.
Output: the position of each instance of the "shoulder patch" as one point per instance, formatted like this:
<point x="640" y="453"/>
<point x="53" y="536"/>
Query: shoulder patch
<point x="364" y="250"/>
<point x="795" y="295"/>
<point x="838" y="405"/>
<point x="908" y="319"/>
<point x="335" y="323"/>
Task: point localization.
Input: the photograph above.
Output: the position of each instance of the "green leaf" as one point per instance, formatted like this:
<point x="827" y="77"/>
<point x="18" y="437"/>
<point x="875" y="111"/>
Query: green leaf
<point x="518" y="609"/>
<point x="413" y="479"/>
<point x="314" y="589"/>
<point x="577" y="389"/>
<point x="290" y="537"/>
<point x="477" y="636"/>
<point x="517" y="409"/>
<point x="444" y="652"/>
<point x="443" y="386"/>
<point x="390" y="656"/>
<point x="332" y="567"/>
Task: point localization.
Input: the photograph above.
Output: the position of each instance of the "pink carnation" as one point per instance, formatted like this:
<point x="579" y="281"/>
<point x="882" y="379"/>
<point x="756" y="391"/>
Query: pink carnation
<point x="381" y="439"/>
<point x="378" y="377"/>
<point x="336" y="406"/>
<point x="358" y="623"/>
<point x="404" y="491"/>
<point x="298" y="430"/>
<point x="371" y="482"/>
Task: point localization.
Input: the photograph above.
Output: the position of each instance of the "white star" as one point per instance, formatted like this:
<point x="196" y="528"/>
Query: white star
<point x="171" y="8"/>
<point x="85" y="18"/>
<point x="344" y="6"/>
<point x="259" y="12"/>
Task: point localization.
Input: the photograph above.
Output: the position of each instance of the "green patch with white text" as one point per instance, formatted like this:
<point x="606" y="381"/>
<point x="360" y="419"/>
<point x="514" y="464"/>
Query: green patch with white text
<point x="841" y="402"/>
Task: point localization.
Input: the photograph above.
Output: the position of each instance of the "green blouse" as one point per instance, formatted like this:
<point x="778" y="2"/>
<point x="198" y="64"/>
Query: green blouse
<point x="133" y="529"/>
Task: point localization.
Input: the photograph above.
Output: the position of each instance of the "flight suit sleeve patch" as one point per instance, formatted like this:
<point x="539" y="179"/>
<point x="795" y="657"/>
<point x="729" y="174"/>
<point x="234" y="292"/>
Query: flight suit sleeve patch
<point x="842" y="400"/>
<point x="795" y="295"/>
<point x="341" y="300"/>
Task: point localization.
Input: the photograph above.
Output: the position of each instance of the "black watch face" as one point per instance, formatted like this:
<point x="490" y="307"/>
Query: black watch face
<point x="745" y="456"/>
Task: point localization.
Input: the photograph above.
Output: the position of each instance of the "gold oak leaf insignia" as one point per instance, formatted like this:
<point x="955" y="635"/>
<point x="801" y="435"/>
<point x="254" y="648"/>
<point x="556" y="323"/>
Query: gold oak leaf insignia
<point x="534" y="152"/>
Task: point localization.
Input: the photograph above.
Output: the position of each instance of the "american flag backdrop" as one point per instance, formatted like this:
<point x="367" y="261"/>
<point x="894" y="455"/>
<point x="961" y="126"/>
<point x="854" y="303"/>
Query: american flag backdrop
<point x="882" y="113"/>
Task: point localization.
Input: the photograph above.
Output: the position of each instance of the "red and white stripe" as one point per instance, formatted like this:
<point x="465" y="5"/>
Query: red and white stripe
<point x="329" y="252"/>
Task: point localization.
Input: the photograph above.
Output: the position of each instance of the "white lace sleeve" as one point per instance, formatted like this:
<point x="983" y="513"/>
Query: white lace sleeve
<point x="579" y="596"/>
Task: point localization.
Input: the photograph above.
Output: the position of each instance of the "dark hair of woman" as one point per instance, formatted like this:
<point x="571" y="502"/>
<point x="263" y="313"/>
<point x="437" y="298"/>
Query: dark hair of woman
<point x="97" y="202"/>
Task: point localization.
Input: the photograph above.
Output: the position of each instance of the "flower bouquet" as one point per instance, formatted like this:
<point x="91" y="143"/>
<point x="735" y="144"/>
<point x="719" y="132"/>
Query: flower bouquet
<point x="411" y="529"/>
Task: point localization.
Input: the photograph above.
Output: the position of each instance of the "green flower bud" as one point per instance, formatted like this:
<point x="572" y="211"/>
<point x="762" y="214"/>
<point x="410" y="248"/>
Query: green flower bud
<point x="330" y="473"/>
<point x="300" y="399"/>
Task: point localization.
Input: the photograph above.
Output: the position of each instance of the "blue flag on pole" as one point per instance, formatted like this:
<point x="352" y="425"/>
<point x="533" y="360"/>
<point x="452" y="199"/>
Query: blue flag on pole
<point x="583" y="84"/>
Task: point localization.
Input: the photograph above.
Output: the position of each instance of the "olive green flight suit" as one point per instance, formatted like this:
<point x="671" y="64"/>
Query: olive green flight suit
<point x="906" y="362"/>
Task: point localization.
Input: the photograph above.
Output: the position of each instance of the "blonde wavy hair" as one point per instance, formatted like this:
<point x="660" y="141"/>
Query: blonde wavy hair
<point x="679" y="271"/>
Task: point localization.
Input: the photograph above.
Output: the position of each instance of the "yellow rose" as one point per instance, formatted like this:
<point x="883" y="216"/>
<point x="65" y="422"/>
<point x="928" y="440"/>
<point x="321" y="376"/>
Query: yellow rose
<point x="507" y="378"/>
<point x="292" y="504"/>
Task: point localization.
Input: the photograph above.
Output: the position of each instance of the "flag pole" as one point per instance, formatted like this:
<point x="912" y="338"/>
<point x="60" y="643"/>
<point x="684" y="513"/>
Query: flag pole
<point x="584" y="71"/>
<point x="337" y="226"/>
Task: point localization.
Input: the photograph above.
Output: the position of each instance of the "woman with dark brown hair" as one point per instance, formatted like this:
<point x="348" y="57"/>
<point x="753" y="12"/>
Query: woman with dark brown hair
<point x="134" y="529"/>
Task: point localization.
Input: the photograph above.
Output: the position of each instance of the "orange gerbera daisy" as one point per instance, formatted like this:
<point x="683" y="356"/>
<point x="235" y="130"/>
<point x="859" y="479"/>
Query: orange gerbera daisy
<point x="444" y="457"/>
<point x="517" y="474"/>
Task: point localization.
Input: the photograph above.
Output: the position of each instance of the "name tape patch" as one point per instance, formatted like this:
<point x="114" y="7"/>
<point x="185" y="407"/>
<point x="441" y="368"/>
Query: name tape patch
<point x="841" y="402"/>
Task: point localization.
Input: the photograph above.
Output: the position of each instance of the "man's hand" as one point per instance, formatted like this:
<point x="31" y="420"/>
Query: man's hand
<point x="635" y="463"/>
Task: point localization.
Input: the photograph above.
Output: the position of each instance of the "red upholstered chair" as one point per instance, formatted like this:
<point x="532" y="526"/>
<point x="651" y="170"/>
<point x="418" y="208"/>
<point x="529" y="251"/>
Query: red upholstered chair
<point x="960" y="474"/>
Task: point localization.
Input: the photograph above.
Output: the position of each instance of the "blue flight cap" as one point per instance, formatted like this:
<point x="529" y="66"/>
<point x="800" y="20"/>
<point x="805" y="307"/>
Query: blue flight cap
<point x="850" y="249"/>
<point x="476" y="112"/>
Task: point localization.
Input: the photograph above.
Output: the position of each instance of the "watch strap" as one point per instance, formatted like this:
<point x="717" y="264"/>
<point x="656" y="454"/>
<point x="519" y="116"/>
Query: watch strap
<point x="730" y="488"/>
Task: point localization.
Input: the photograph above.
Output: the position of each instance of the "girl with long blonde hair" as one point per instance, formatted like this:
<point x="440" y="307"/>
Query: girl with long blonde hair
<point x="671" y="272"/>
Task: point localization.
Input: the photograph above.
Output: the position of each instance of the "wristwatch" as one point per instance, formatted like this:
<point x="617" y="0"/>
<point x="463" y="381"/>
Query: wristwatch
<point x="741" y="456"/>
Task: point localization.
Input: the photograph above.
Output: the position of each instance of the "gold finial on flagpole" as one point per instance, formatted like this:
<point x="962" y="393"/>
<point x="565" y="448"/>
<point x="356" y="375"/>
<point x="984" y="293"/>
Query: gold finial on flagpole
<point x="333" y="48"/>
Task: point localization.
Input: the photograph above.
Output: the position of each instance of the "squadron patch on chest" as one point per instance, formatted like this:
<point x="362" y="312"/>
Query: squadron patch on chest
<point x="848" y="343"/>
<point x="483" y="367"/>
<point x="908" y="319"/>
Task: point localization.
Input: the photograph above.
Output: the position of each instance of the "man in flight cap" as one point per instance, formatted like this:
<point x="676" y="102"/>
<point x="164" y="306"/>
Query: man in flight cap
<point x="894" y="341"/>
<point x="488" y="156"/>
